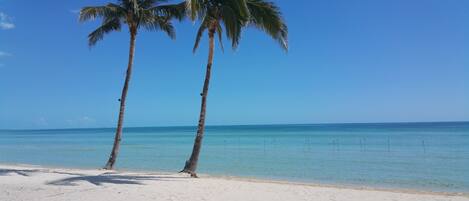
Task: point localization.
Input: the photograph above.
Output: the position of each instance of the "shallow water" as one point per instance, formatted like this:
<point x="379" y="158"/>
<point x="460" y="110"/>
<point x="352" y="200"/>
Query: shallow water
<point x="421" y="156"/>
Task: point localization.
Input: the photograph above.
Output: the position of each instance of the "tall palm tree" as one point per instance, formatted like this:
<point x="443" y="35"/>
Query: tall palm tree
<point x="147" y="14"/>
<point x="234" y="15"/>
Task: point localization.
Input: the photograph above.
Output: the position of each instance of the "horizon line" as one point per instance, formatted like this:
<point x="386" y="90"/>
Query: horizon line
<point x="215" y="125"/>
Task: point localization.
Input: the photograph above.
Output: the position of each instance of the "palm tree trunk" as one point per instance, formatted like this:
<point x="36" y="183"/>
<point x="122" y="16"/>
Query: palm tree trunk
<point x="191" y="165"/>
<point x="115" y="149"/>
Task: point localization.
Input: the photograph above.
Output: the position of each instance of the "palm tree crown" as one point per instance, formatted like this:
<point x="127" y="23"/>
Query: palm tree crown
<point x="236" y="14"/>
<point x="148" y="14"/>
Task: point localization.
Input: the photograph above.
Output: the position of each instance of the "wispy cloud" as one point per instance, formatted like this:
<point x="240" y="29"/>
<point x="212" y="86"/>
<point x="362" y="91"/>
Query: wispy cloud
<point x="84" y="121"/>
<point x="75" y="11"/>
<point x="5" y="54"/>
<point x="41" y="122"/>
<point x="5" y="22"/>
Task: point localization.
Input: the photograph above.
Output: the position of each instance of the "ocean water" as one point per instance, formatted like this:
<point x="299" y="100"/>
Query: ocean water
<point x="421" y="156"/>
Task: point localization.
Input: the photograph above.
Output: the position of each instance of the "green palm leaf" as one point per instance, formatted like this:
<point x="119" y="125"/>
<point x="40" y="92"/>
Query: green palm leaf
<point x="107" y="27"/>
<point x="267" y="17"/>
<point x="151" y="15"/>
<point x="235" y="15"/>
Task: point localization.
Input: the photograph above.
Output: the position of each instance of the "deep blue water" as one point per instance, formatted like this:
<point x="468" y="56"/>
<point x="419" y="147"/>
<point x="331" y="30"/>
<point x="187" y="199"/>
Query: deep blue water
<point x="422" y="156"/>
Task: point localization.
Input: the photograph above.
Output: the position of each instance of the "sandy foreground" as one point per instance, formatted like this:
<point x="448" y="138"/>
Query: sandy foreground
<point x="27" y="183"/>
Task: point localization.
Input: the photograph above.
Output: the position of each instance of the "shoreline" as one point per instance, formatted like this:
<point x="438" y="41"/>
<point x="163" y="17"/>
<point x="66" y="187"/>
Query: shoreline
<point x="305" y="188"/>
<point x="342" y="186"/>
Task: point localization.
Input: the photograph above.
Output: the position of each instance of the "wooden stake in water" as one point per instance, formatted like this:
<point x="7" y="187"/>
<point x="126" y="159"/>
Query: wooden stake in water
<point x="424" y="148"/>
<point x="361" y="145"/>
<point x="264" y="146"/>
<point x="224" y="148"/>
<point x="338" y="145"/>
<point x="239" y="149"/>
<point x="389" y="145"/>
<point x="364" y="144"/>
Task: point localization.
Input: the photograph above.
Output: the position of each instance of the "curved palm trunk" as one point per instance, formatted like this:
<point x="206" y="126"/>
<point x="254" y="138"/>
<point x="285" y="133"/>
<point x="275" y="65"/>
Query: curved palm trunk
<point x="115" y="149"/>
<point x="191" y="165"/>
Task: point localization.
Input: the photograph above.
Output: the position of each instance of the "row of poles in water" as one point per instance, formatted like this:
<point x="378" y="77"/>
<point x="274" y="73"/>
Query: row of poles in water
<point x="362" y="142"/>
<point x="333" y="144"/>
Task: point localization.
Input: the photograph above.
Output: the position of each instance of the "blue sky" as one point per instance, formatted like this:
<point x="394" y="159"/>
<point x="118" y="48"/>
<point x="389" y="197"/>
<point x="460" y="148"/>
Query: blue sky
<point x="349" y="61"/>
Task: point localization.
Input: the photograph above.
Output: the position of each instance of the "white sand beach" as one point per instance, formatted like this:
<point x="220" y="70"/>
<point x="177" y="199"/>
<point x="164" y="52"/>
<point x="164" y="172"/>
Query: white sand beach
<point x="29" y="183"/>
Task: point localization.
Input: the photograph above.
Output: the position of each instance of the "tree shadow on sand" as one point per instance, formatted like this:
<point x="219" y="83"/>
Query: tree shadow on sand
<point x="26" y="173"/>
<point x="30" y="172"/>
<point x="110" y="178"/>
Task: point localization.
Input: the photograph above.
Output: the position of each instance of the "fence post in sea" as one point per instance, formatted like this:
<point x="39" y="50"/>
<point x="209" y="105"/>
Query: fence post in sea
<point x="224" y="148"/>
<point x="364" y="144"/>
<point x="333" y="145"/>
<point x="423" y="146"/>
<point x="338" y="145"/>
<point x="305" y="146"/>
<point x="239" y="149"/>
<point x="264" y="146"/>
<point x="361" y="145"/>
<point x="389" y="144"/>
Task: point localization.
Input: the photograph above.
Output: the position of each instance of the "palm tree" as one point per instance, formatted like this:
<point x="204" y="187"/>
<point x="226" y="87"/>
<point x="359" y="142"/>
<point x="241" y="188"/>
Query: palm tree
<point x="147" y="14"/>
<point x="234" y="15"/>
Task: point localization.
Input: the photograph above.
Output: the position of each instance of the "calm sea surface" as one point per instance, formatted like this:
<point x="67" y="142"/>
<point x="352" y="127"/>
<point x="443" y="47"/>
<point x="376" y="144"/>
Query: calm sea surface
<point x="421" y="156"/>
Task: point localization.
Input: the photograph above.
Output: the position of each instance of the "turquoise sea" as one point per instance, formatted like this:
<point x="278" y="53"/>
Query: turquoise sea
<point x="420" y="156"/>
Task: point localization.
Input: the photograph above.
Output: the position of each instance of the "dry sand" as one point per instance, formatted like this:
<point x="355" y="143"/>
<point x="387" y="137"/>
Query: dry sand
<point x="27" y="183"/>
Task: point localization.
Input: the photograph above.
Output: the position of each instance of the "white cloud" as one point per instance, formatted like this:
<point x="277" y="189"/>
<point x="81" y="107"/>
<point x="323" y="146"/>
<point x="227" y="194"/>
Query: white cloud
<point x="87" y="120"/>
<point x="5" y="54"/>
<point x="75" y="11"/>
<point x="5" y="22"/>
<point x="41" y="122"/>
<point x="84" y="121"/>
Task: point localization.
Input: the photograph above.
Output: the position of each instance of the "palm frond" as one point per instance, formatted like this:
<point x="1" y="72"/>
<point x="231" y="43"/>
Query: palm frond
<point x="163" y="25"/>
<point x="152" y="22"/>
<point x="239" y="7"/>
<point x="109" y="25"/>
<point x="233" y="22"/>
<point x="220" y="36"/>
<point x="109" y="11"/>
<point x="150" y="3"/>
<point x="148" y="14"/>
<point x="203" y="26"/>
<point x="267" y="17"/>
<point x="196" y="8"/>
<point x="177" y="11"/>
